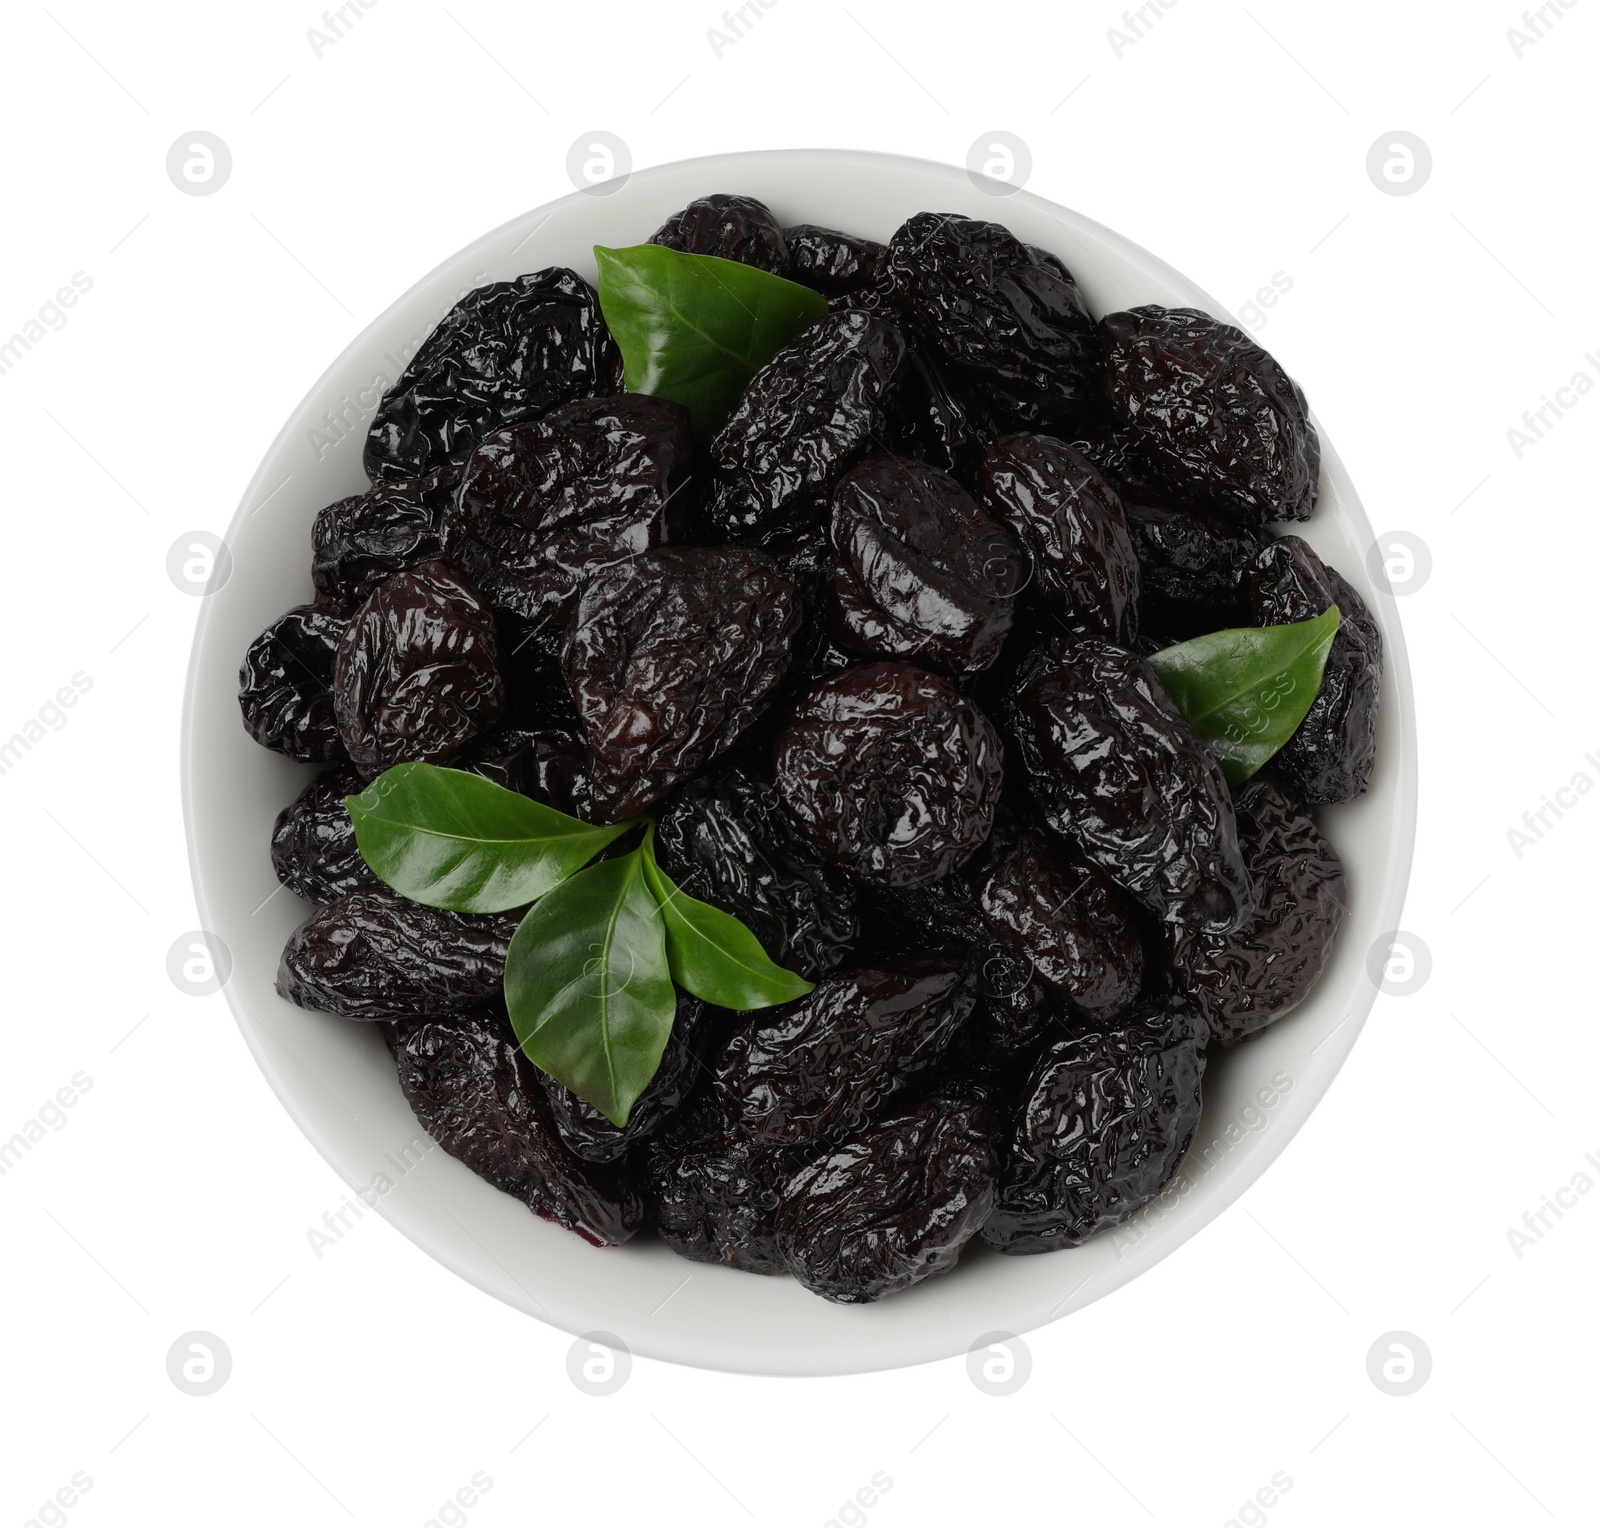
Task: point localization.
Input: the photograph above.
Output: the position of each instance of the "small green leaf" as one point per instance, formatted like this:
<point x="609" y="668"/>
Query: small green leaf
<point x="1246" y="690"/>
<point x="712" y="954"/>
<point x="588" y="988"/>
<point x="454" y="840"/>
<point x="695" y="328"/>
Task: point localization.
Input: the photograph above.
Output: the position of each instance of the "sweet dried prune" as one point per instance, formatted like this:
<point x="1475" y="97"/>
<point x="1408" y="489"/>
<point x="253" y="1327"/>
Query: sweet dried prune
<point x="286" y="685"/>
<point x="418" y="670"/>
<point x="506" y="351"/>
<point x="805" y="417"/>
<point x="357" y="543"/>
<point x="1069" y="519"/>
<point x="669" y="658"/>
<point x="548" y="765"/>
<point x="472" y="1090"/>
<point x="820" y="1066"/>
<point x="928" y="417"/>
<point x="729" y="842"/>
<point x="314" y="841"/>
<point x="1331" y="755"/>
<point x="1118" y="773"/>
<point x="894" y="1204"/>
<point x="545" y="503"/>
<point x="1106" y="1118"/>
<point x="1191" y="569"/>
<point x="730" y="227"/>
<point x="839" y="265"/>
<point x="919" y="570"/>
<point x="1243" y="981"/>
<point x="375" y="955"/>
<point x="1006" y="320"/>
<point x="891" y="772"/>
<point x="1217" y="417"/>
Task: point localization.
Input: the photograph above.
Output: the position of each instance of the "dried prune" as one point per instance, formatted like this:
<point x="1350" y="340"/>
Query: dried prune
<point x="1191" y="569"/>
<point x="805" y="417"/>
<point x="919" y="570"/>
<point x="472" y="1091"/>
<point x="374" y="955"/>
<point x="545" y="503"/>
<point x="314" y="841"/>
<point x="1071" y="923"/>
<point x="891" y="772"/>
<point x="357" y="543"/>
<point x="669" y="658"/>
<point x="1106" y="1119"/>
<point x="286" y="685"/>
<point x="1118" y="773"/>
<point x="928" y="417"/>
<point x="418" y="670"/>
<point x="730" y="227"/>
<point x="820" y="1066"/>
<point x="548" y="765"/>
<point x="892" y="1205"/>
<point x="506" y="351"/>
<point x="729" y="842"/>
<point x="1331" y="755"/>
<point x="1243" y="981"/>
<point x="1014" y="1007"/>
<point x="1217" y="417"/>
<point x="1070" y="521"/>
<point x="1006" y="320"/>
<point x="839" y="265"/>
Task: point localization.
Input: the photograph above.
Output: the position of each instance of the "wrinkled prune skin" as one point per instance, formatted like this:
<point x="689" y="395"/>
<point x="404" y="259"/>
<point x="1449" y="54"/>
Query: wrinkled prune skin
<point x="1192" y="566"/>
<point x="418" y="670"/>
<point x="930" y="418"/>
<point x="1071" y="923"/>
<point x="729" y="227"/>
<point x="1069" y="519"/>
<point x="548" y="765"/>
<point x="1015" y="1007"/>
<point x="375" y="955"/>
<point x="820" y="1066"/>
<point x="1006" y="321"/>
<point x="810" y="412"/>
<point x="1217" y="417"/>
<point x="1105" y="1121"/>
<point x="314" y="842"/>
<point x="1118" y="773"/>
<point x="919" y="570"/>
<point x="1331" y="755"/>
<point x="839" y="265"/>
<point x="891" y="772"/>
<point x="506" y="351"/>
<point x="892" y="1205"/>
<point x="357" y="543"/>
<point x="472" y="1090"/>
<point x="546" y="503"/>
<point x="286" y="685"/>
<point x="669" y="658"/>
<point x="729" y="842"/>
<point x="1243" y="981"/>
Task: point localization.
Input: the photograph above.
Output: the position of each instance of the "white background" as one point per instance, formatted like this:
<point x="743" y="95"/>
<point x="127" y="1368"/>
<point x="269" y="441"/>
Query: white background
<point x="369" y="1385"/>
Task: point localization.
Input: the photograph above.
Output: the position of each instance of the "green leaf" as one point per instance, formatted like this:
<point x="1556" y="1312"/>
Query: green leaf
<point x="588" y="988"/>
<point x="695" y="328"/>
<point x="712" y="954"/>
<point x="454" y="840"/>
<point x="1246" y="690"/>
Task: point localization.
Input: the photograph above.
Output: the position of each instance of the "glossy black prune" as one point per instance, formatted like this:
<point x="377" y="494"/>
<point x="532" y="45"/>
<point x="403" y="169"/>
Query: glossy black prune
<point x="286" y="685"/>
<point x="1192" y="566"/>
<point x="1118" y="773"/>
<point x="820" y="1066"/>
<point x="919" y="570"/>
<point x="549" y="764"/>
<point x="1070" y="521"/>
<point x="374" y="955"/>
<point x="891" y="772"/>
<point x="1105" y="1121"/>
<point x="669" y="657"/>
<point x="729" y="227"/>
<point x="1217" y="417"/>
<point x="546" y="503"/>
<point x="314" y="842"/>
<point x="839" y="265"/>
<point x="357" y="543"/>
<point x="472" y="1091"/>
<point x="929" y="417"/>
<point x="506" y="351"/>
<point x="729" y="842"/>
<point x="1331" y="755"/>
<point x="1243" y="981"/>
<point x="892" y="1205"/>
<point x="804" y="418"/>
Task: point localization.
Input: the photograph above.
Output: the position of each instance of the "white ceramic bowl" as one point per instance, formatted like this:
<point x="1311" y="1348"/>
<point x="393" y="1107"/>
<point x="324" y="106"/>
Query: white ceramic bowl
<point x="336" y="1078"/>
